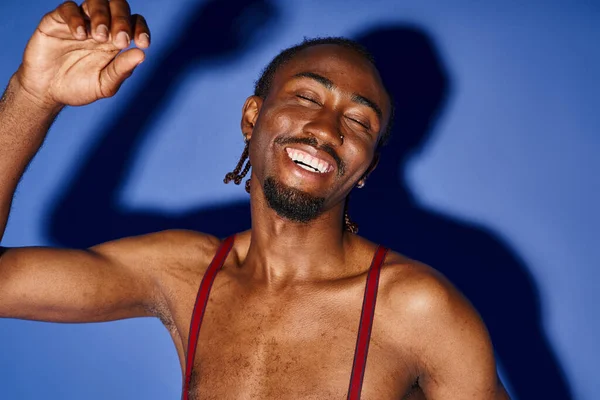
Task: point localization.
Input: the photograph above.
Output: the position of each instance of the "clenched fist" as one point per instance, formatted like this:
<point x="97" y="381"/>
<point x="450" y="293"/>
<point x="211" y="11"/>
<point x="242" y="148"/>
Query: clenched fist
<point x="76" y="55"/>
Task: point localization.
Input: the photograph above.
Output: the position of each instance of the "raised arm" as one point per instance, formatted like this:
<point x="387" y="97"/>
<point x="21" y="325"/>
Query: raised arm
<point x="71" y="59"/>
<point x="74" y="58"/>
<point x="23" y="126"/>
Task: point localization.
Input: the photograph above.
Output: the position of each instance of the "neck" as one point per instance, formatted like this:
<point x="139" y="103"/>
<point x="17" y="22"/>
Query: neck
<point x="283" y="252"/>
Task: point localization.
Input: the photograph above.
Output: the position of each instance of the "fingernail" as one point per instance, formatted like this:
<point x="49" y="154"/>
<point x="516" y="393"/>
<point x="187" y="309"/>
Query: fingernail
<point x="81" y="32"/>
<point x="145" y="38"/>
<point x="123" y="38"/>
<point x="102" y="30"/>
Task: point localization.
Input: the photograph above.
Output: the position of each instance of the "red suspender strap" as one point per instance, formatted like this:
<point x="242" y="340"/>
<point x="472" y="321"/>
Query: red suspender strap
<point x="366" y="323"/>
<point x="200" y="306"/>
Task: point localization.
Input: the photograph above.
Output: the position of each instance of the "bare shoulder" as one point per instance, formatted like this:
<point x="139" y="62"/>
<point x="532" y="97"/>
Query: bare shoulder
<point x="411" y="289"/>
<point x="427" y="316"/>
<point x="424" y="300"/>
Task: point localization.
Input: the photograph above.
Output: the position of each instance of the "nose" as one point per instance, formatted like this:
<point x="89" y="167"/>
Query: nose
<point x="325" y="126"/>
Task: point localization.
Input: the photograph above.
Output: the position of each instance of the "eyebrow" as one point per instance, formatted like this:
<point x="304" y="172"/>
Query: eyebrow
<point x="328" y="84"/>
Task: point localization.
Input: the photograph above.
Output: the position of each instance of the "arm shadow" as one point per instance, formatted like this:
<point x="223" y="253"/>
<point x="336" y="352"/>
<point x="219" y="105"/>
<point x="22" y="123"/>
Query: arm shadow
<point x="216" y="33"/>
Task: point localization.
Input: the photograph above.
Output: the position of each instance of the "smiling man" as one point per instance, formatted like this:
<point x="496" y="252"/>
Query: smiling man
<point x="297" y="307"/>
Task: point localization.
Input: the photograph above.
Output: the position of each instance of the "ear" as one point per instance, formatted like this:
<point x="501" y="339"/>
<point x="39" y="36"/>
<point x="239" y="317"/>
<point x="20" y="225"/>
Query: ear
<point x="250" y="113"/>
<point x="361" y="181"/>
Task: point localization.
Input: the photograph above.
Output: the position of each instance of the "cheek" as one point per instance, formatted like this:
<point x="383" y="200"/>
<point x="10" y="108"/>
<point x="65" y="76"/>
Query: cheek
<point x="270" y="124"/>
<point x="359" y="156"/>
<point x="281" y="120"/>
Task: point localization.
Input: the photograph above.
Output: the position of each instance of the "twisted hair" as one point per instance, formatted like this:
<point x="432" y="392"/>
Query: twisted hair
<point x="238" y="173"/>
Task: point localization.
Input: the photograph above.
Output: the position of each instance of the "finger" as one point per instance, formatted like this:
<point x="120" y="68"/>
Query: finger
<point x="121" y="68"/>
<point x="99" y="14"/>
<point x="142" y="32"/>
<point x="86" y="9"/>
<point x="71" y="15"/>
<point x="120" y="23"/>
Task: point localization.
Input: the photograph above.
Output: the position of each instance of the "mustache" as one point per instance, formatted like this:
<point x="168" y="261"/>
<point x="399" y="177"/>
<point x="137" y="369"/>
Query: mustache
<point x="311" y="141"/>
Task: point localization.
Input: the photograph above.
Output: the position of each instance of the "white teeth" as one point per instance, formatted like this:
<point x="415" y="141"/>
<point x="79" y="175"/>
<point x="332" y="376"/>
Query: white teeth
<point x="306" y="168"/>
<point x="307" y="161"/>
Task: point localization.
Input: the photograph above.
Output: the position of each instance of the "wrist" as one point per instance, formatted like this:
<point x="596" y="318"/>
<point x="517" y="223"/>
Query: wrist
<point x="18" y="93"/>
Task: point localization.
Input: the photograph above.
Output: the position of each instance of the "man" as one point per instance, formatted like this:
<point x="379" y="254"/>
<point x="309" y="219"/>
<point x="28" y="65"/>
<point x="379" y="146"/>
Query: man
<point x="296" y="307"/>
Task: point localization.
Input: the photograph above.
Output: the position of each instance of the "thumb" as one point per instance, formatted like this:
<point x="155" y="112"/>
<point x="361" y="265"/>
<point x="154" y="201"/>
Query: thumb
<point x="119" y="69"/>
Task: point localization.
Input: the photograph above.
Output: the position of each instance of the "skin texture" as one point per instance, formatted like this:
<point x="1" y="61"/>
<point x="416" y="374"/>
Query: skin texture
<point x="283" y="313"/>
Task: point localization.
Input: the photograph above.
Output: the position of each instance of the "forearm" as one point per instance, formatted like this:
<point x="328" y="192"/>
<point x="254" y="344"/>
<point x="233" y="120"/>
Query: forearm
<point x="23" y="127"/>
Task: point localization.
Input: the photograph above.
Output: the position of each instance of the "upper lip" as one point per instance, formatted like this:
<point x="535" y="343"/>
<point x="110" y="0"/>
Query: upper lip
<point x="320" y="154"/>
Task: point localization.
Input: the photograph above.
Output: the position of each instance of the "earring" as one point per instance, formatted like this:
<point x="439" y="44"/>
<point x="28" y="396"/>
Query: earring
<point x="342" y="139"/>
<point x="361" y="184"/>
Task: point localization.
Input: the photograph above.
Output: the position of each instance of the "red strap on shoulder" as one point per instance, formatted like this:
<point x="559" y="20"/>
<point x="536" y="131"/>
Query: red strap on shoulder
<point x="200" y="307"/>
<point x="366" y="324"/>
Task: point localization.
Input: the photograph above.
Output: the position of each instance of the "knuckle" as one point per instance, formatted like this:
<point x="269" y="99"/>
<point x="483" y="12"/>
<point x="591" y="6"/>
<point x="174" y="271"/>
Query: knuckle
<point x="121" y="20"/>
<point x="51" y="18"/>
<point x="67" y="4"/>
<point x="73" y="20"/>
<point x="48" y="16"/>
<point x="113" y="73"/>
<point x="98" y="15"/>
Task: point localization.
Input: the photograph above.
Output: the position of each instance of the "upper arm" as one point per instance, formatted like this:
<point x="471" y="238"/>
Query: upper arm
<point x="114" y="280"/>
<point x="451" y="343"/>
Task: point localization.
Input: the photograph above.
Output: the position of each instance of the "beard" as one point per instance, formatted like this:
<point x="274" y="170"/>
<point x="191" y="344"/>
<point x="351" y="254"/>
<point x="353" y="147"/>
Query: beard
<point x="290" y="203"/>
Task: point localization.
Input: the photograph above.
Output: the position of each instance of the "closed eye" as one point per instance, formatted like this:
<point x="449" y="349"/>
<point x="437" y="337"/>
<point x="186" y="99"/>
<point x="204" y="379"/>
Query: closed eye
<point x="365" y="125"/>
<point x="308" y="99"/>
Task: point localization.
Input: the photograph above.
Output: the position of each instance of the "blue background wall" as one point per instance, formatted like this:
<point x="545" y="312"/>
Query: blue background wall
<point x="492" y="175"/>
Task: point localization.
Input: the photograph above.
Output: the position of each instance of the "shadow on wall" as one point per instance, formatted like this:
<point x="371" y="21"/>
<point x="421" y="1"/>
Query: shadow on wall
<point x="216" y="33"/>
<point x="472" y="257"/>
<point x="483" y="267"/>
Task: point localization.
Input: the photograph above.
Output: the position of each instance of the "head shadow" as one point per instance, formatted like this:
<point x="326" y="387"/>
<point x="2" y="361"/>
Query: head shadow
<point x="472" y="257"/>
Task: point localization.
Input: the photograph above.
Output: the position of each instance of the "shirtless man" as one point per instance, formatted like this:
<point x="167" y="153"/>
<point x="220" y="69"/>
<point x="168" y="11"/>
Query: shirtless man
<point x="283" y="316"/>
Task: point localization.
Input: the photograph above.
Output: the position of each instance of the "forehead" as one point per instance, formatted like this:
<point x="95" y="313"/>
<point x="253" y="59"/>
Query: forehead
<point x="347" y="69"/>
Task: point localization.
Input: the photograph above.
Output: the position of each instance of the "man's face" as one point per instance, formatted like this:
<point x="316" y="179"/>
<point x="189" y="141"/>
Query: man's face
<point x="297" y="152"/>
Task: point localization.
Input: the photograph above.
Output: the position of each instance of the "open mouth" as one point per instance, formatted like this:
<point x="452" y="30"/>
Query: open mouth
<point x="308" y="162"/>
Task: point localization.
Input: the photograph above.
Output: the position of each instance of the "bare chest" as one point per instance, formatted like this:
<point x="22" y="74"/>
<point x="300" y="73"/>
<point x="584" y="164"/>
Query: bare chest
<point x="293" y="345"/>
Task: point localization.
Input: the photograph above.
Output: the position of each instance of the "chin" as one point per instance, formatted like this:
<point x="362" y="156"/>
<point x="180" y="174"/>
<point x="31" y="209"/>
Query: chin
<point x="292" y="203"/>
